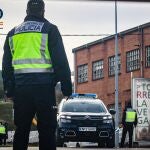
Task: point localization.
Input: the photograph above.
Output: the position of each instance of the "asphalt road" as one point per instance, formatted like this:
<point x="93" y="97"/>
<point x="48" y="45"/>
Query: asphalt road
<point x="83" y="146"/>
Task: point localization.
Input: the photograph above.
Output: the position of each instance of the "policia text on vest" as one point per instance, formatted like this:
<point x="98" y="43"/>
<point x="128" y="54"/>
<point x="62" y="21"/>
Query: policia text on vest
<point x="28" y="62"/>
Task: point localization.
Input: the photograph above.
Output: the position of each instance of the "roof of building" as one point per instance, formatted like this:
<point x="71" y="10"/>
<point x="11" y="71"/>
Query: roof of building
<point x="120" y="34"/>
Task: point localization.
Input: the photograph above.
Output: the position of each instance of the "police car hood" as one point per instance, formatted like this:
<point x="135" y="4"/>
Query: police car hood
<point x="85" y="113"/>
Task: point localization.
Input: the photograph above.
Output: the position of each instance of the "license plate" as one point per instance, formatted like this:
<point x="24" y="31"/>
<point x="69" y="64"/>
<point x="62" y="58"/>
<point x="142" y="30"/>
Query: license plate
<point x="83" y="129"/>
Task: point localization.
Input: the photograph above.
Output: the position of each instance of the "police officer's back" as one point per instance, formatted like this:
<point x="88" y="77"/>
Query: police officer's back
<point x="34" y="61"/>
<point x="129" y="121"/>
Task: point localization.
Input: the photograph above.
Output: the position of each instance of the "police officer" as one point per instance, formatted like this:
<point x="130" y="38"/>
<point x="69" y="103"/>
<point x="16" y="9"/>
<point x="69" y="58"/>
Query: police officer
<point x="6" y="133"/>
<point x="2" y="133"/>
<point x="34" y="61"/>
<point x="129" y="121"/>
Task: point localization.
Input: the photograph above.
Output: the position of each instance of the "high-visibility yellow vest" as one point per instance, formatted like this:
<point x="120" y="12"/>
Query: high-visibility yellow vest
<point x="130" y="115"/>
<point x="2" y="130"/>
<point x="29" y="50"/>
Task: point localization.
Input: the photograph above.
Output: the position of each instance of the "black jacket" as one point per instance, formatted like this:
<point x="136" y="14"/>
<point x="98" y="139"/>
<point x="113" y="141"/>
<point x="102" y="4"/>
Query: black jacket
<point x="58" y="56"/>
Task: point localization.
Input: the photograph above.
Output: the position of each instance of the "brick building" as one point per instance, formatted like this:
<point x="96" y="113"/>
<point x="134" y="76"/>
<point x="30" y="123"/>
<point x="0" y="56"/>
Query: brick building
<point x="95" y="63"/>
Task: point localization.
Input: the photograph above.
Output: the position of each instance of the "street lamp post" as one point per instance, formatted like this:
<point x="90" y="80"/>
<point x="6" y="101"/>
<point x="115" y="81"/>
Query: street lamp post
<point x="116" y="81"/>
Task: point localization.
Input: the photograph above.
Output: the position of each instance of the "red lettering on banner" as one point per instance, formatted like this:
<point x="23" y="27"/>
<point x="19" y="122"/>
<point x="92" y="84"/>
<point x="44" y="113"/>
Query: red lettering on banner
<point x="139" y="94"/>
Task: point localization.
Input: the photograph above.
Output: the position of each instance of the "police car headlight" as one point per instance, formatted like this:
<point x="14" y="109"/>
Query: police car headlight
<point x="107" y="117"/>
<point x="104" y="117"/>
<point x="65" y="119"/>
<point x="107" y="121"/>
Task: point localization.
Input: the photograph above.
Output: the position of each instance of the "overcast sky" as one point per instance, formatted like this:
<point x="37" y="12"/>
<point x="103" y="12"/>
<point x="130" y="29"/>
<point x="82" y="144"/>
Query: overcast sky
<point x="78" y="18"/>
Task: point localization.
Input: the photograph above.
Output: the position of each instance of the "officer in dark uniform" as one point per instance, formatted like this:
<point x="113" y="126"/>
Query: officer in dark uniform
<point x="6" y="133"/>
<point x="129" y="121"/>
<point x="34" y="61"/>
<point x="2" y="133"/>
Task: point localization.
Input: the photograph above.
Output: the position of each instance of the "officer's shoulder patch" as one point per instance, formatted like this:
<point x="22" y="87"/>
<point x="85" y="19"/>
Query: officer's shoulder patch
<point x="29" y="26"/>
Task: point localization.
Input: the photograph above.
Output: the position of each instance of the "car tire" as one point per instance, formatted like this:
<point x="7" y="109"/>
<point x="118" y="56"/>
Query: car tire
<point x="101" y="144"/>
<point x="77" y="145"/>
<point x="59" y="142"/>
<point x="111" y="143"/>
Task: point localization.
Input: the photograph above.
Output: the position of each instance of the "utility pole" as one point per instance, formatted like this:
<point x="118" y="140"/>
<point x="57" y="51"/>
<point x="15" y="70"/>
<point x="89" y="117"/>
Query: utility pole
<point x="74" y="57"/>
<point x="116" y="80"/>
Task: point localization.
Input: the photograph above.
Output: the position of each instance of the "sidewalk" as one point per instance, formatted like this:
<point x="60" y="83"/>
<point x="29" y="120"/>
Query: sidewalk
<point x="144" y="144"/>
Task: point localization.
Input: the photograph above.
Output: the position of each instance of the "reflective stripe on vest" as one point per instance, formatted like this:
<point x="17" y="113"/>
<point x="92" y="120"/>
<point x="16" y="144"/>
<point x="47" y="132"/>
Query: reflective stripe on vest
<point x="35" y="70"/>
<point x="130" y="115"/>
<point x="2" y="130"/>
<point x="30" y="53"/>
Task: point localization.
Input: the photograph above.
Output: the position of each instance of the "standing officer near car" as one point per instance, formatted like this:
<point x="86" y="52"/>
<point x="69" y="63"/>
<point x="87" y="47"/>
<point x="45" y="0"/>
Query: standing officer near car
<point x="2" y="133"/>
<point x="6" y="133"/>
<point x="129" y="121"/>
<point x="34" y="61"/>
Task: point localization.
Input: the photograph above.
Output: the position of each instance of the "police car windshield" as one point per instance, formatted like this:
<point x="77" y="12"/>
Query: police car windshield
<point x="83" y="107"/>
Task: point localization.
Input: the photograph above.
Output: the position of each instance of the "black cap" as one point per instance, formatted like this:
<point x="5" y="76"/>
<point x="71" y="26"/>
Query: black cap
<point x="35" y="6"/>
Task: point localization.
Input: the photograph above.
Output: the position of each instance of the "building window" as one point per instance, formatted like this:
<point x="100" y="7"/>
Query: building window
<point x="111" y="62"/>
<point x="98" y="71"/>
<point x="133" y="60"/>
<point x="147" y="56"/>
<point x="82" y="73"/>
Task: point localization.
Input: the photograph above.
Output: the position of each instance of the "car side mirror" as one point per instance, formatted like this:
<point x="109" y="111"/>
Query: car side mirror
<point x="112" y="111"/>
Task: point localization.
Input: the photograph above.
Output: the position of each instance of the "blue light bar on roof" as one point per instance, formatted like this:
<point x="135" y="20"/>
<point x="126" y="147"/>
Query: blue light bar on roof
<point x="86" y="95"/>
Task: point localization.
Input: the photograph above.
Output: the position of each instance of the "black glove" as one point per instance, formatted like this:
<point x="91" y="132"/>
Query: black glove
<point x="66" y="87"/>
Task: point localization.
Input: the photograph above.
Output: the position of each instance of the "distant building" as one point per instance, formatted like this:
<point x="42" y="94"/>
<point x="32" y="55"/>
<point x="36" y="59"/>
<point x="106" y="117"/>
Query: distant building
<point x="95" y="64"/>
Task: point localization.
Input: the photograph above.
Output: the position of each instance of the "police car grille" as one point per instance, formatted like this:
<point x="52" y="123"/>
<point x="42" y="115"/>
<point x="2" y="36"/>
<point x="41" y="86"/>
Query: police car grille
<point x="86" y="117"/>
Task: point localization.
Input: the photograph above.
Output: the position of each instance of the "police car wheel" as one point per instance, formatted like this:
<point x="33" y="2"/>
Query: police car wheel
<point x="101" y="144"/>
<point x="60" y="143"/>
<point x="110" y="143"/>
